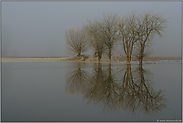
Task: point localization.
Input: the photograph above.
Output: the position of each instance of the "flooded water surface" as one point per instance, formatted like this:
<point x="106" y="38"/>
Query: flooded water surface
<point x="81" y="91"/>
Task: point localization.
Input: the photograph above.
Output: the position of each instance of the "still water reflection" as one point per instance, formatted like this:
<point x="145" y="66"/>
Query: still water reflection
<point x="79" y="91"/>
<point x="127" y="88"/>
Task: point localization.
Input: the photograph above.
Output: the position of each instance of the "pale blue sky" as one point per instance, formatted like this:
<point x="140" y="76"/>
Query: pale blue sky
<point x="37" y="28"/>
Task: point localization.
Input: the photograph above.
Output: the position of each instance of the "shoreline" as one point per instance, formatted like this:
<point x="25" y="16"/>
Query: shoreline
<point x="32" y="59"/>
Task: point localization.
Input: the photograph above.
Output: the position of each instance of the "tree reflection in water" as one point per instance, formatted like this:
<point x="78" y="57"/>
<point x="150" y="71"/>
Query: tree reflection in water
<point x="137" y="93"/>
<point x="102" y="88"/>
<point x="126" y="88"/>
<point x="76" y="80"/>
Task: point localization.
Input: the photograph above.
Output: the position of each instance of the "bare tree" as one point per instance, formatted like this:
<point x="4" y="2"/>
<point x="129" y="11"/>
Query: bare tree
<point x="76" y="41"/>
<point x="94" y="36"/>
<point x="147" y="51"/>
<point x="128" y="28"/>
<point x="109" y="26"/>
<point x="150" y="26"/>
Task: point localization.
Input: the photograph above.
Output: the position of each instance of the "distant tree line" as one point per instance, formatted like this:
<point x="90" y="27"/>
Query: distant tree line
<point x="133" y="32"/>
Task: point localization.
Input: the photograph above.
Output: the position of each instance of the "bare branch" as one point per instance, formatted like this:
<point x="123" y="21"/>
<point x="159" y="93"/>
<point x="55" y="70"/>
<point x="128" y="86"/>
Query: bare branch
<point x="76" y="41"/>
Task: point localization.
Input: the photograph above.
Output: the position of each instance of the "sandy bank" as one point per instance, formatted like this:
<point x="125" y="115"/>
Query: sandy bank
<point x="27" y="59"/>
<point x="11" y="59"/>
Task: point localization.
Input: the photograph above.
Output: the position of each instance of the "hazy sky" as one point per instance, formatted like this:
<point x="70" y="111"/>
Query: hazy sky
<point x="37" y="28"/>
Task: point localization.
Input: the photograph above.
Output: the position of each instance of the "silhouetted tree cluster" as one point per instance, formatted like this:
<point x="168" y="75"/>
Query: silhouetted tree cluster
<point x="130" y="31"/>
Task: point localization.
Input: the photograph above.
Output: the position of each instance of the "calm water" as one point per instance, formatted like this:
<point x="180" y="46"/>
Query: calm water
<point x="79" y="91"/>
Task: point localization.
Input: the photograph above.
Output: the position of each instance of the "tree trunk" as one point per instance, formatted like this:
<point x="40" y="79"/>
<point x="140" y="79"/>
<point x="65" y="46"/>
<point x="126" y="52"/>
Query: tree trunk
<point x="130" y="57"/>
<point x="109" y="54"/>
<point x="140" y="59"/>
<point x="140" y="62"/>
<point x="127" y="59"/>
<point x="79" y="54"/>
<point x="131" y="50"/>
<point x="141" y="55"/>
<point x="98" y="56"/>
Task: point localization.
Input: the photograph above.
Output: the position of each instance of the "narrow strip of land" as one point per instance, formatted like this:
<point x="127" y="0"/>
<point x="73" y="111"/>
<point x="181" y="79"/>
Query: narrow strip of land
<point x="116" y="59"/>
<point x="26" y="59"/>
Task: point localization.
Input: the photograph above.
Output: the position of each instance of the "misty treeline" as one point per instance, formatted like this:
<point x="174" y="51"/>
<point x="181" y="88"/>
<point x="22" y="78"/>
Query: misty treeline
<point x="132" y="32"/>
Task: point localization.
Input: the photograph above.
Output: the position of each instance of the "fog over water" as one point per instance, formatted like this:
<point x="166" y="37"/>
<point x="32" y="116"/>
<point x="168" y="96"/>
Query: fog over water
<point x="36" y="29"/>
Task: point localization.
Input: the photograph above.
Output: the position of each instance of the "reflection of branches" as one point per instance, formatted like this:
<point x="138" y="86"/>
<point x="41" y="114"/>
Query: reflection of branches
<point x="154" y="101"/>
<point x="102" y="88"/>
<point x="137" y="93"/>
<point x="133" y="92"/>
<point x="76" y="81"/>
